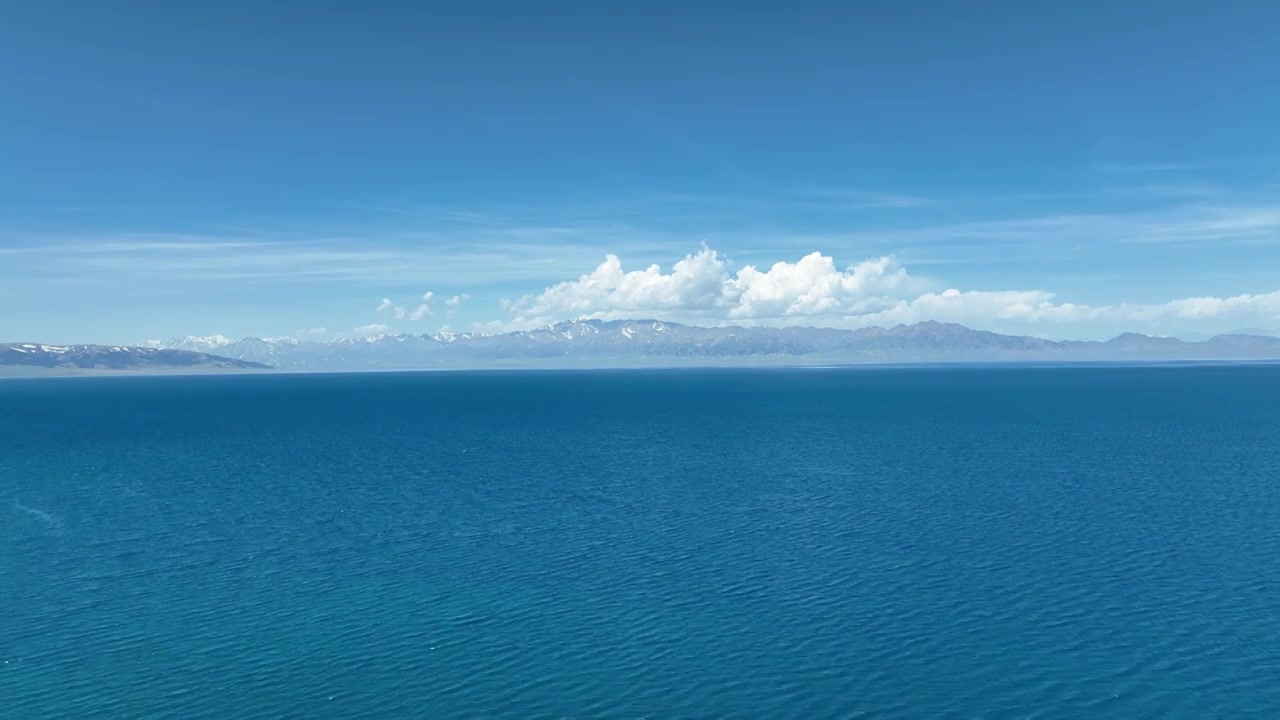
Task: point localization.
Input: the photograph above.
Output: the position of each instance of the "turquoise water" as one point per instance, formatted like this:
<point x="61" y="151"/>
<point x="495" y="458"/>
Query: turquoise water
<point x="1072" y="542"/>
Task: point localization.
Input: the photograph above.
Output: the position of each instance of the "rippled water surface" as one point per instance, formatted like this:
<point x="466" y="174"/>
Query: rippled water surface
<point x="1073" y="542"/>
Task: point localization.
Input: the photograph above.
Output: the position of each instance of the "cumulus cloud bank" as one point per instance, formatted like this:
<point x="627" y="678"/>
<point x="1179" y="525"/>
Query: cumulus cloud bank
<point x="702" y="282"/>
<point x="814" y="290"/>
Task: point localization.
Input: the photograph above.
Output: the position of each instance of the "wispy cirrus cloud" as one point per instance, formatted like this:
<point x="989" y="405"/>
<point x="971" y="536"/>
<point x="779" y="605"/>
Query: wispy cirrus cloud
<point x="507" y="254"/>
<point x="1150" y="167"/>
<point x="504" y="253"/>
<point x="1204" y="224"/>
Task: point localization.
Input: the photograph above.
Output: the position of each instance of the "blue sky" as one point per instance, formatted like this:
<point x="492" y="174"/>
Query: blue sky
<point x="1060" y="169"/>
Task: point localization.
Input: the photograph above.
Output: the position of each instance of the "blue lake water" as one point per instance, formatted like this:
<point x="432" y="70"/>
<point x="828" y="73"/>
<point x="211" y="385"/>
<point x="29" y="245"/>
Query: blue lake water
<point x="1034" y="542"/>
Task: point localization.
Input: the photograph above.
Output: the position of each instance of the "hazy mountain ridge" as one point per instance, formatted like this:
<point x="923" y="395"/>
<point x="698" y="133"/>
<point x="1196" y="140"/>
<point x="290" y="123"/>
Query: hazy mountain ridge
<point x="36" y="357"/>
<point x="652" y="342"/>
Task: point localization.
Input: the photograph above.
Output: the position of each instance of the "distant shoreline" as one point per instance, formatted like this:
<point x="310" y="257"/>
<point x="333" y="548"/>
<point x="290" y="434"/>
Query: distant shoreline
<point x="23" y="372"/>
<point x="59" y="373"/>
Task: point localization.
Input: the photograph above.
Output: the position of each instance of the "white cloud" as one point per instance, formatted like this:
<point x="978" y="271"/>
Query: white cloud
<point x="700" y="288"/>
<point x="315" y="331"/>
<point x="400" y="312"/>
<point x="373" y="329"/>
<point x="515" y="324"/>
<point x="457" y="300"/>
<point x="1036" y="310"/>
<point x="696" y="282"/>
<point x="813" y="286"/>
<point x="702" y="283"/>
<point x="1268" y="304"/>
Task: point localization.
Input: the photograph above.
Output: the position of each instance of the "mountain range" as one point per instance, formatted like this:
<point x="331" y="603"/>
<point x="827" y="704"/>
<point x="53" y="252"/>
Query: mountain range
<point x="622" y="343"/>
<point x="42" y="359"/>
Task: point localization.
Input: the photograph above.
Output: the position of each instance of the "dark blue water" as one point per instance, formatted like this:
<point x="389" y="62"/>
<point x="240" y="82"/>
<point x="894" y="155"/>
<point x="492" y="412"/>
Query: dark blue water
<point x="885" y="543"/>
